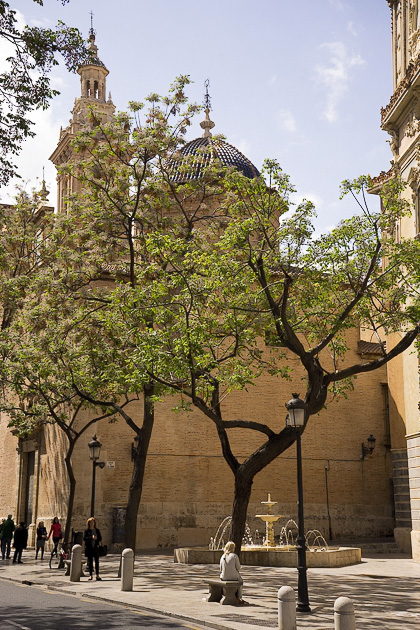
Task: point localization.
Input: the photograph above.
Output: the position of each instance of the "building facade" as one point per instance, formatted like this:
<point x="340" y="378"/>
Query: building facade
<point x="188" y="487"/>
<point x="401" y="120"/>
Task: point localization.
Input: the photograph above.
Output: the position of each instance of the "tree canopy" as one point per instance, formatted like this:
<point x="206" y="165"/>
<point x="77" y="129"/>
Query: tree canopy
<point x="197" y="285"/>
<point x="25" y="84"/>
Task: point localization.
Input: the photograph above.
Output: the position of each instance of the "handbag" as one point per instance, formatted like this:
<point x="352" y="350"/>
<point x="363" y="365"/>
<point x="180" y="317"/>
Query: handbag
<point x="102" y="550"/>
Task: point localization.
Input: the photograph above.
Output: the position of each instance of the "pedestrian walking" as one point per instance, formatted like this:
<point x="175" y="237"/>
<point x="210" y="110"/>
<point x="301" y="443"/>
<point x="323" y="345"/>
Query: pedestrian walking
<point x="20" y="542"/>
<point x="56" y="534"/>
<point x="92" y="538"/>
<point x="230" y="568"/>
<point x="41" y="537"/>
<point x="7" y="535"/>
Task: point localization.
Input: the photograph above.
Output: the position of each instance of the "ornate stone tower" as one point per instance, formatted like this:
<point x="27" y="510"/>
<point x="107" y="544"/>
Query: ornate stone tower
<point x="401" y="119"/>
<point x="93" y="75"/>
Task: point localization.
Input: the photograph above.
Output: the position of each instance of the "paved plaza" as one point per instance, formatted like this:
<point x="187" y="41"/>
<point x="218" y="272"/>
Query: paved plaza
<point x="385" y="591"/>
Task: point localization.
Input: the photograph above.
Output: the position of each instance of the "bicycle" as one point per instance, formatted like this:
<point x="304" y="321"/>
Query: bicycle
<point x="57" y="559"/>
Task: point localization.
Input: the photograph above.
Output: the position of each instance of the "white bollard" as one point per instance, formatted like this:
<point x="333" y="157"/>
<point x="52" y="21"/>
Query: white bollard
<point x="127" y="570"/>
<point x="76" y="563"/>
<point x="287" y="608"/>
<point x="344" y="618"/>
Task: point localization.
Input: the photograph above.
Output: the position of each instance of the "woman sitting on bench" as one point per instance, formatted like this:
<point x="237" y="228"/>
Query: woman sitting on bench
<point x="230" y="567"/>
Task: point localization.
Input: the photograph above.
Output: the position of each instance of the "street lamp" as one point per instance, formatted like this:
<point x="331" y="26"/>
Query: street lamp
<point x="94" y="452"/>
<point x="296" y="419"/>
<point x="368" y="450"/>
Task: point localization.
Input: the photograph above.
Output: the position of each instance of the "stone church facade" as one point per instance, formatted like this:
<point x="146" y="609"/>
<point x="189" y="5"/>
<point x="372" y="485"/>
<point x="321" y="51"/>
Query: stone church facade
<point x="188" y="487"/>
<point x="401" y="119"/>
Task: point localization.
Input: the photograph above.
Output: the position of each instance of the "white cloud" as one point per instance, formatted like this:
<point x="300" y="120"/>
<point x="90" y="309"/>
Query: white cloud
<point x="34" y="156"/>
<point x="6" y="48"/>
<point x="324" y="231"/>
<point x="335" y="77"/>
<point x="272" y="80"/>
<point x="339" y="5"/>
<point x="286" y="120"/>
<point x="242" y="145"/>
<point x="352" y="29"/>
<point x="44" y="23"/>
<point x="297" y="198"/>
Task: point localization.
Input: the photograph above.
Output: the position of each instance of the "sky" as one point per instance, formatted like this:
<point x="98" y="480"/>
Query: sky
<point x="300" y="81"/>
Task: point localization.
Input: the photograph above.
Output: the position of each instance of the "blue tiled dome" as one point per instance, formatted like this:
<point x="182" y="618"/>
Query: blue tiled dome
<point x="206" y="149"/>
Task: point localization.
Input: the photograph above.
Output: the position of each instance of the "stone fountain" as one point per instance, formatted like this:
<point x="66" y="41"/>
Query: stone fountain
<point x="319" y="554"/>
<point x="269" y="519"/>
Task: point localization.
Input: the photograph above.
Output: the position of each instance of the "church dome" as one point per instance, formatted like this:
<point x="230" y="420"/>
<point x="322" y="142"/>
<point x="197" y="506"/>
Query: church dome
<point x="207" y="149"/>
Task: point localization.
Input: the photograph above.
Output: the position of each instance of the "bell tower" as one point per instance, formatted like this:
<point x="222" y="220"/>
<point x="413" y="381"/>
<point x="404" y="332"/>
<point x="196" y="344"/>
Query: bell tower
<point x="93" y="73"/>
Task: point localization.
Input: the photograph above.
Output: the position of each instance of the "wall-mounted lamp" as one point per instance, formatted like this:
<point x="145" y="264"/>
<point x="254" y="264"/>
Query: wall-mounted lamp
<point x="135" y="446"/>
<point x="94" y="453"/>
<point x="368" y="450"/>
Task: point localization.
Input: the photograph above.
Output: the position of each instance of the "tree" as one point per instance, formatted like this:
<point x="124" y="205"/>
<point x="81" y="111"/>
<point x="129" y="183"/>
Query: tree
<point x="273" y="275"/>
<point x="25" y="85"/>
<point x="121" y="168"/>
<point x="24" y="229"/>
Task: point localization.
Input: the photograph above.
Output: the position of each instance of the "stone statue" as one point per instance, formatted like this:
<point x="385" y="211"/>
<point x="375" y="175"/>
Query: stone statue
<point x="414" y="15"/>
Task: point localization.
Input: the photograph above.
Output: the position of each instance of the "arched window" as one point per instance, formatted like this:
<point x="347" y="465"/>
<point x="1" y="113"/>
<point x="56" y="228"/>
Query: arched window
<point x="95" y="89"/>
<point x="87" y="88"/>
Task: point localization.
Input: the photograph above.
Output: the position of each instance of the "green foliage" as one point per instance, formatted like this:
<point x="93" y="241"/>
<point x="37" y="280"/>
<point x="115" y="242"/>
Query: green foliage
<point x="157" y="280"/>
<point x="25" y="85"/>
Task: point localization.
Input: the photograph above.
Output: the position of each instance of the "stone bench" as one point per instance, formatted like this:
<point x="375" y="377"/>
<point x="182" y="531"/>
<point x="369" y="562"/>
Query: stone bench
<point x="226" y="589"/>
<point x="67" y="564"/>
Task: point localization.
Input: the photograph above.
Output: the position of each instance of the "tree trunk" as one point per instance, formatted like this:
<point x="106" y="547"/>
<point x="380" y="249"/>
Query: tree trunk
<point x="139" y="465"/>
<point x="72" y="490"/>
<point x="243" y="487"/>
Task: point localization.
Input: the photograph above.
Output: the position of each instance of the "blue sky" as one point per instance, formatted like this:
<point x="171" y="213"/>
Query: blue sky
<point x="301" y="81"/>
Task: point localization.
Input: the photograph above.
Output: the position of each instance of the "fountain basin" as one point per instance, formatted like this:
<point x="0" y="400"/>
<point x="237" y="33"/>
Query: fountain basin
<point x="273" y="556"/>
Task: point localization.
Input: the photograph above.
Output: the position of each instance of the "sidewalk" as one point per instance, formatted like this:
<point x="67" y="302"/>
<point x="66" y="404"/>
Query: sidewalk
<point x="385" y="591"/>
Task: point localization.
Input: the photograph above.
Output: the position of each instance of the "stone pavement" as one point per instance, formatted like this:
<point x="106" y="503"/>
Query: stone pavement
<point x="385" y="591"/>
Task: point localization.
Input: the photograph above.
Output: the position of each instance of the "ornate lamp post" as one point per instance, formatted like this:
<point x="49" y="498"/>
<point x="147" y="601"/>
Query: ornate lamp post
<point x="296" y="419"/>
<point x="94" y="452"/>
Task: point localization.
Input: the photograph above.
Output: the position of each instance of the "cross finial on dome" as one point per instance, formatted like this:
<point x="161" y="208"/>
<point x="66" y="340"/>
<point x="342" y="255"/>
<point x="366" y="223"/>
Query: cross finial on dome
<point x="207" y="124"/>
<point x="44" y="191"/>
<point x="91" y="31"/>
<point x="207" y="99"/>
<point x="92" y="47"/>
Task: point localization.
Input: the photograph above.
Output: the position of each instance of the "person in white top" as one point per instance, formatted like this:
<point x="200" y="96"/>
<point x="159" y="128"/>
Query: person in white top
<point x="230" y="567"/>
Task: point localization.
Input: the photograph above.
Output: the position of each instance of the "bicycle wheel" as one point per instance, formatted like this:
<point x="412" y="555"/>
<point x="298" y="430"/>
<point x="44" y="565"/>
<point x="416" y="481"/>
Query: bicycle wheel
<point x="52" y="559"/>
<point x="56" y="561"/>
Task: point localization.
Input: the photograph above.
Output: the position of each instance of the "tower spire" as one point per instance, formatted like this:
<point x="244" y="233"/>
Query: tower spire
<point x="44" y="191"/>
<point x="207" y="124"/>
<point x="91" y="31"/>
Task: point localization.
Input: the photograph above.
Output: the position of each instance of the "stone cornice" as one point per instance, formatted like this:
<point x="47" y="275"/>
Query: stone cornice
<point x="62" y="146"/>
<point x="383" y="177"/>
<point x="412" y="70"/>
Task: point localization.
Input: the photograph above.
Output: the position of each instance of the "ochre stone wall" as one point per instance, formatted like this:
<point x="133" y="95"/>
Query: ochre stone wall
<point x="188" y="488"/>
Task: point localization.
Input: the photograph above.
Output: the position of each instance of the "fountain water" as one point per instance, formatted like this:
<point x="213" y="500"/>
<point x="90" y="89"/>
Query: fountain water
<point x="283" y="554"/>
<point x="223" y="535"/>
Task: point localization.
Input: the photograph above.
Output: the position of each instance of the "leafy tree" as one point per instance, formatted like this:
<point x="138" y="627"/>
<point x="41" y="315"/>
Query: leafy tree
<point x="24" y="229"/>
<point x="266" y="271"/>
<point x="25" y="85"/>
<point x="121" y="168"/>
